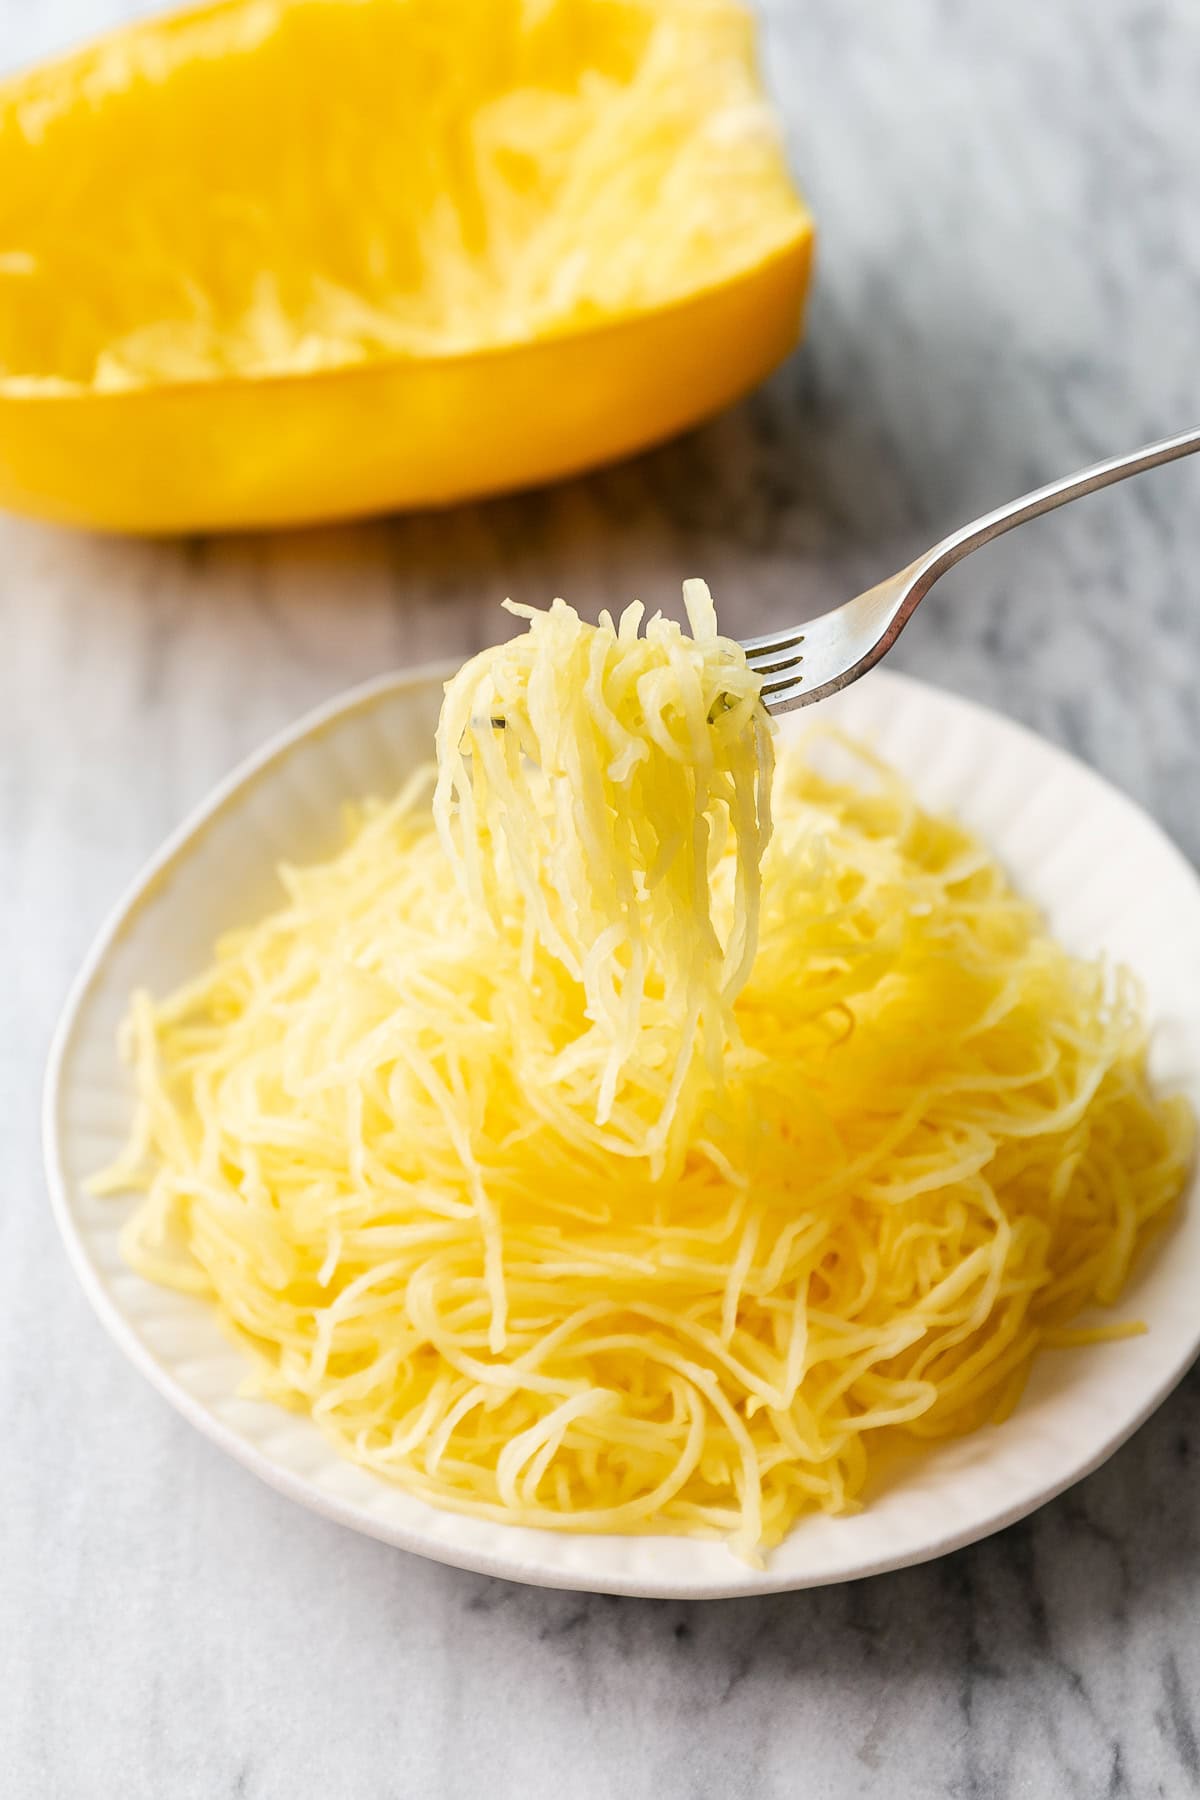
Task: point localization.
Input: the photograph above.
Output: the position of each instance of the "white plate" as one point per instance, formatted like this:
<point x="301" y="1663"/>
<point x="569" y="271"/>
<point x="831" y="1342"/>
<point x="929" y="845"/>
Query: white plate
<point x="1103" y="872"/>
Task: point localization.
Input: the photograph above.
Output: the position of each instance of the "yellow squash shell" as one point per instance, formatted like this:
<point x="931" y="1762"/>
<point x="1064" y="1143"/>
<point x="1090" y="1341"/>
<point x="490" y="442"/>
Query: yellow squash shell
<point x="283" y="260"/>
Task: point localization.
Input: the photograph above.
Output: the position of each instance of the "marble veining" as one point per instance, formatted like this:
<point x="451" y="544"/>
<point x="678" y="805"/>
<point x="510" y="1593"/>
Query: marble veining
<point x="1009" y="285"/>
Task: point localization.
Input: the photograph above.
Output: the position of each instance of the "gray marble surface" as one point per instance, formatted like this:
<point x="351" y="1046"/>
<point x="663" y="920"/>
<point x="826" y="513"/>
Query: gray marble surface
<point x="1009" y="285"/>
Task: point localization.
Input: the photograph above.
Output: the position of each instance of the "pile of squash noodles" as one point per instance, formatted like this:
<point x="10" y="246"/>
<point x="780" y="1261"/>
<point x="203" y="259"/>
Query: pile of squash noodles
<point x="623" y="1134"/>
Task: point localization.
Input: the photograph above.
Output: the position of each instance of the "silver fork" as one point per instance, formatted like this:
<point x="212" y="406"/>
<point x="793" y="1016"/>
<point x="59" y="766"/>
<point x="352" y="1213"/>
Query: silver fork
<point x="828" y="653"/>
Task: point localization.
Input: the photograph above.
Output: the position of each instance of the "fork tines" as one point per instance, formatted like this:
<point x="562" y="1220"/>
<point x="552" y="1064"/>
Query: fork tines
<point x="776" y="658"/>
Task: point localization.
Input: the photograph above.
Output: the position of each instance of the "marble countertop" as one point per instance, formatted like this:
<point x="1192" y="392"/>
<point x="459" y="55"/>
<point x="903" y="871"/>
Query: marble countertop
<point x="1009" y="286"/>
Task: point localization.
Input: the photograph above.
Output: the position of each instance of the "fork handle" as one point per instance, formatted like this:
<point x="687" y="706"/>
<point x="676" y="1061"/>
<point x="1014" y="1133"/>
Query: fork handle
<point x="960" y="543"/>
